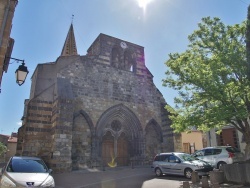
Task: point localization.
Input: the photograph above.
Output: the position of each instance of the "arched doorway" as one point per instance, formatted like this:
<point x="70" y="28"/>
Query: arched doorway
<point x="119" y="127"/>
<point x="153" y="139"/>
<point x="115" y="146"/>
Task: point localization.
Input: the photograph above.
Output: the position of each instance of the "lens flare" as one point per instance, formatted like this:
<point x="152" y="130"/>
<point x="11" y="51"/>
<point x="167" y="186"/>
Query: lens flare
<point x="112" y="163"/>
<point x="143" y="3"/>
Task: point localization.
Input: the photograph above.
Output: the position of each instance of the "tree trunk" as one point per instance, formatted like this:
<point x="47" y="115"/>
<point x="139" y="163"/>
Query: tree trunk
<point x="247" y="152"/>
<point x="247" y="148"/>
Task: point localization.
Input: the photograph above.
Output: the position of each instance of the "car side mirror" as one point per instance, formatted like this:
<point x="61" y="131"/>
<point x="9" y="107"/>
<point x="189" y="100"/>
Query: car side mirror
<point x="50" y="171"/>
<point x="177" y="161"/>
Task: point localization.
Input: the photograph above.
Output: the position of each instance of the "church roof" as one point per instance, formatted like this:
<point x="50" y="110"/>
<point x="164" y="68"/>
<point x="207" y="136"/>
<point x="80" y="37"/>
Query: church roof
<point x="69" y="47"/>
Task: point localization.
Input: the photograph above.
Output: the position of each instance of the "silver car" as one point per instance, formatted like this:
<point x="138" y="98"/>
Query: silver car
<point x="219" y="155"/>
<point x="26" y="172"/>
<point x="179" y="164"/>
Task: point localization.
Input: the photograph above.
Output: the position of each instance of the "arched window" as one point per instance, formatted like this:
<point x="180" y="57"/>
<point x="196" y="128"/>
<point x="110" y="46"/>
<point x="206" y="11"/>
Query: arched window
<point x="128" y="62"/>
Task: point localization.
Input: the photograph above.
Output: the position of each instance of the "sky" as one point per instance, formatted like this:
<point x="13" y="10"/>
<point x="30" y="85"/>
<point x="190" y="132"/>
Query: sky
<point x="160" y="26"/>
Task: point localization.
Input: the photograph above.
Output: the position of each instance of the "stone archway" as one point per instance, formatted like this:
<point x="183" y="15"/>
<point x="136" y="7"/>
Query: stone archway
<point x="81" y="149"/>
<point x="153" y="139"/>
<point x="120" y="124"/>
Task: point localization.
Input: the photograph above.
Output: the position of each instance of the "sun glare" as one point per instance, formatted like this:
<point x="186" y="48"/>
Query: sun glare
<point x="143" y="3"/>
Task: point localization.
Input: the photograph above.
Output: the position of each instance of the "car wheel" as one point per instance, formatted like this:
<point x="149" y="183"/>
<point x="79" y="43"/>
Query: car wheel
<point x="158" y="172"/>
<point x="188" y="173"/>
<point x="220" y="164"/>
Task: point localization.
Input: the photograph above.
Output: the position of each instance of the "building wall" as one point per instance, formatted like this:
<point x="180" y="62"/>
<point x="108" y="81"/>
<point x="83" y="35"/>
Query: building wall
<point x="194" y="139"/>
<point x="228" y="136"/>
<point x="7" y="9"/>
<point x="11" y="150"/>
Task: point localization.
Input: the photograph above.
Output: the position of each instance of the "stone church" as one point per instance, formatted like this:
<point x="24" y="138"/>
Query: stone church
<point x="98" y="109"/>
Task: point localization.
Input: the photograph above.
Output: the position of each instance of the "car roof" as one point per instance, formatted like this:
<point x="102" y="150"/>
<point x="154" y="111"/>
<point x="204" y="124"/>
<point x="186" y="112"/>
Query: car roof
<point x="171" y="153"/>
<point x="217" y="147"/>
<point x="26" y="157"/>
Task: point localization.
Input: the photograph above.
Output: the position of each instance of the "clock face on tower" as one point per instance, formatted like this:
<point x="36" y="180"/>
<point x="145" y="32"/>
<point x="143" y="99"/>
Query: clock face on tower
<point x="123" y="45"/>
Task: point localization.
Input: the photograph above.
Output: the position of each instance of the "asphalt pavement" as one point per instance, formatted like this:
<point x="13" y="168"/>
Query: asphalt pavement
<point x="124" y="177"/>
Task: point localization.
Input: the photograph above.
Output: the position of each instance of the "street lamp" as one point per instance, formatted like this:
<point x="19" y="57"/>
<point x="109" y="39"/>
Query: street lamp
<point x="21" y="72"/>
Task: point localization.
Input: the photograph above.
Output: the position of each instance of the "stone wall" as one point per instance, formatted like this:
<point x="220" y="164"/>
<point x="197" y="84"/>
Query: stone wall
<point x="75" y="101"/>
<point x="238" y="173"/>
<point x="7" y="9"/>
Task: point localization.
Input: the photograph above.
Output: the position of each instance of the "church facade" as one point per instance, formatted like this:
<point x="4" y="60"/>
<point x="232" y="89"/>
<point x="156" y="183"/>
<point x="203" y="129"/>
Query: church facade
<point x="99" y="109"/>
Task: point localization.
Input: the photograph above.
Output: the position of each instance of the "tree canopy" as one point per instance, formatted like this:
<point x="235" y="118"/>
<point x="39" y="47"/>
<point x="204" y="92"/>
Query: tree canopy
<point x="211" y="77"/>
<point x="3" y="148"/>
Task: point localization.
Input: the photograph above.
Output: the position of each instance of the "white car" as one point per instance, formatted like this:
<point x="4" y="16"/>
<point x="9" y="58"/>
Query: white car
<point x="219" y="155"/>
<point x="23" y="171"/>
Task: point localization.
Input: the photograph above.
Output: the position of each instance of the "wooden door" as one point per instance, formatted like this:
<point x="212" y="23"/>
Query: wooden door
<point x="122" y="151"/>
<point x="186" y="147"/>
<point x="108" y="148"/>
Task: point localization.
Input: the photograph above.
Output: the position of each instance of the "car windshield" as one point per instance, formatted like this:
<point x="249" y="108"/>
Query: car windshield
<point x="186" y="157"/>
<point x="27" y="166"/>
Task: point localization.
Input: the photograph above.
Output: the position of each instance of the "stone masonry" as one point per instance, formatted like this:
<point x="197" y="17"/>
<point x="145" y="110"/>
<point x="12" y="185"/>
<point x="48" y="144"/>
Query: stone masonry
<point x="84" y="111"/>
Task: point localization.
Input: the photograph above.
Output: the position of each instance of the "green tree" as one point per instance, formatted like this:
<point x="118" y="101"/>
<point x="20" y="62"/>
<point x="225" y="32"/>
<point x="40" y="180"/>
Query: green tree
<point x="3" y="148"/>
<point x="212" y="79"/>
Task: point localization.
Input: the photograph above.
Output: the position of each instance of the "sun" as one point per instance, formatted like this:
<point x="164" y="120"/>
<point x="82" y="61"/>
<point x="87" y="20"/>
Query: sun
<point x="143" y="3"/>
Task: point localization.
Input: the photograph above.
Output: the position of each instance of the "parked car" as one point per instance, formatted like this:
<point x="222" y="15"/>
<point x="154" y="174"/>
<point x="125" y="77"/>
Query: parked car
<point x="219" y="155"/>
<point x="179" y="164"/>
<point x="23" y="171"/>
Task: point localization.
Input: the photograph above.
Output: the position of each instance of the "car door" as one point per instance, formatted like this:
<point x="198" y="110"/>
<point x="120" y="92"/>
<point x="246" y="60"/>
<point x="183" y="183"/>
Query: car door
<point x="165" y="165"/>
<point x="175" y="165"/>
<point x="209" y="156"/>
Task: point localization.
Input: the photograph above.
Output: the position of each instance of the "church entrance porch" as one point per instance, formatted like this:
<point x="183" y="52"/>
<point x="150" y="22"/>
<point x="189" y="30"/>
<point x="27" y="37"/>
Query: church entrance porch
<point x="121" y="137"/>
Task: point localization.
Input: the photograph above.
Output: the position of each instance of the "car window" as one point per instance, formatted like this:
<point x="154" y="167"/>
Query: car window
<point x="217" y="151"/>
<point x="232" y="150"/>
<point x="27" y="166"/>
<point x="199" y="153"/>
<point x="208" y="152"/>
<point x="172" y="159"/>
<point x="186" y="157"/>
<point x="164" y="158"/>
<point x="157" y="158"/>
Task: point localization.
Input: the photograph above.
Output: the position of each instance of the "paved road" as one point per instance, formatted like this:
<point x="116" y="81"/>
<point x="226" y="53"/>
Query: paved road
<point x="122" y="177"/>
<point x="141" y="177"/>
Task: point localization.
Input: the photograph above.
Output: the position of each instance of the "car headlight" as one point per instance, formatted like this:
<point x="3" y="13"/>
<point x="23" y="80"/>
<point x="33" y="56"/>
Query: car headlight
<point x="49" y="182"/>
<point x="6" y="182"/>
